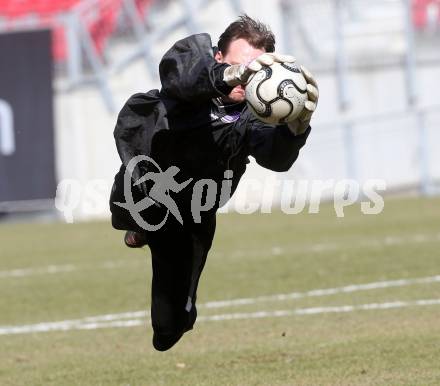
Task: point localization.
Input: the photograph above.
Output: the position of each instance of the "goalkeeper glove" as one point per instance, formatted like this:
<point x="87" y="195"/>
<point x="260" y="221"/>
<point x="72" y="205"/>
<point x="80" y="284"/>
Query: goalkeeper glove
<point x="240" y="73"/>
<point x="301" y="124"/>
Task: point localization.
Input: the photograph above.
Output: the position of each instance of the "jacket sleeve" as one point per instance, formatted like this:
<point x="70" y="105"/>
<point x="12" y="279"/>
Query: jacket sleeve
<point x="141" y="118"/>
<point x="274" y="147"/>
<point x="189" y="72"/>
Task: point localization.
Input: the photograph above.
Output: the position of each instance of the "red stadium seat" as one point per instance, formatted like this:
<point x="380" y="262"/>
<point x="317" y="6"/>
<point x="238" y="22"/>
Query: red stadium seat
<point x="420" y="12"/>
<point x="100" y="25"/>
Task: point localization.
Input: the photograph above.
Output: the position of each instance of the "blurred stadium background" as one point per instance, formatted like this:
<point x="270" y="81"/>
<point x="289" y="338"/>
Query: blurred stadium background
<point x="67" y="67"/>
<point x="377" y="63"/>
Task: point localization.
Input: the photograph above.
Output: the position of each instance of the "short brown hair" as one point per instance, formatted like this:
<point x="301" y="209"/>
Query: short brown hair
<point x="257" y="34"/>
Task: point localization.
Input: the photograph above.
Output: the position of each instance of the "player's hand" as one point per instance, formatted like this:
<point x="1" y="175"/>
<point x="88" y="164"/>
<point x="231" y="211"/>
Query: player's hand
<point x="301" y="124"/>
<point x="240" y="73"/>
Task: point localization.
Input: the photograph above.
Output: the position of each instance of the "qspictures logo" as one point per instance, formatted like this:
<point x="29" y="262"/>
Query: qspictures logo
<point x="163" y="183"/>
<point x="293" y="196"/>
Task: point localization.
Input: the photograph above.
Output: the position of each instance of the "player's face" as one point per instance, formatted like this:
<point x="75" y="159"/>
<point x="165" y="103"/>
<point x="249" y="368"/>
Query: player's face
<point x="239" y="52"/>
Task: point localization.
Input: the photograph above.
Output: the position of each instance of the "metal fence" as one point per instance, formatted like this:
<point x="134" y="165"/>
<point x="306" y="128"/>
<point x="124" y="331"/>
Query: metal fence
<point x="348" y="40"/>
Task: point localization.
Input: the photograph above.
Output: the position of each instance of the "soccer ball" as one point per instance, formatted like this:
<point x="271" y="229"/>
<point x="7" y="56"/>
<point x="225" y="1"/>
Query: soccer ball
<point x="277" y="93"/>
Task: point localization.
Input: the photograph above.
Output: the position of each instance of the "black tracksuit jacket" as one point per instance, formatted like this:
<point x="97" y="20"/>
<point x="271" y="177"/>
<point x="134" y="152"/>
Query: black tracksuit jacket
<point x="185" y="124"/>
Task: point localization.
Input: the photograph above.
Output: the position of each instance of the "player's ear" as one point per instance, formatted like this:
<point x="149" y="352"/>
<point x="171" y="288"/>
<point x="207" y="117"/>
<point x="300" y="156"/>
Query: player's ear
<point x="218" y="56"/>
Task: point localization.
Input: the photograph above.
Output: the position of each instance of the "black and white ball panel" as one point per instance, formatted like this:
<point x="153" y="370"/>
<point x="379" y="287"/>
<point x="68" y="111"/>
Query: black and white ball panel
<point x="277" y="93"/>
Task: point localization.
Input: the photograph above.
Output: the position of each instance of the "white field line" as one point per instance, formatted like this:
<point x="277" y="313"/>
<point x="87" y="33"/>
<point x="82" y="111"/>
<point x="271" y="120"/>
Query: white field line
<point x="320" y="310"/>
<point x="114" y="320"/>
<point x="273" y="251"/>
<point x="55" y="269"/>
<point x="84" y="323"/>
<point x="72" y="325"/>
<point x="326" y="247"/>
<point x="109" y="318"/>
<point x="50" y="269"/>
<point x="322" y="292"/>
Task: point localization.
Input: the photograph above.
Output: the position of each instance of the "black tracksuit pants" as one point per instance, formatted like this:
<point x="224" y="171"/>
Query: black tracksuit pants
<point x="178" y="254"/>
<point x="178" y="258"/>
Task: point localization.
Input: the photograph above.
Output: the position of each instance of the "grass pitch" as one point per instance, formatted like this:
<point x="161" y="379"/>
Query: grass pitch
<point x="383" y="336"/>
